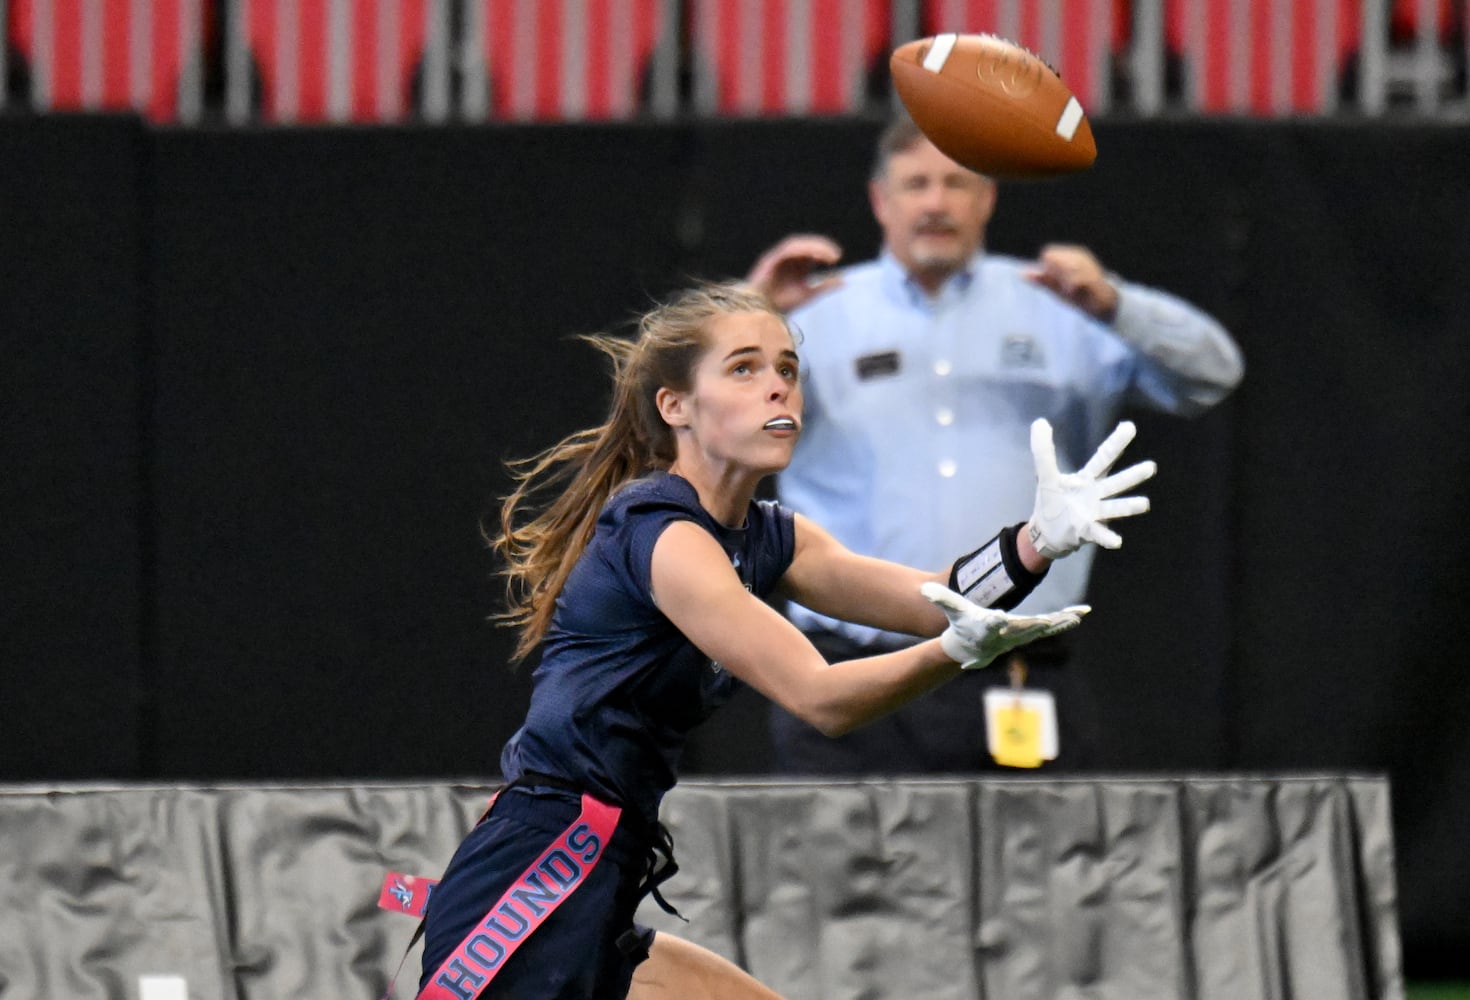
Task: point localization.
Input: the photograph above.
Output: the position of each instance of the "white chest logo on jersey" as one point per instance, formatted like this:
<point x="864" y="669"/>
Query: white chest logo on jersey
<point x="739" y="571"/>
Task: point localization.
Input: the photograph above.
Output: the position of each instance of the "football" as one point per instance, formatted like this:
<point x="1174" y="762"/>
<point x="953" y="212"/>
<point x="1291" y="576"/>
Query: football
<point x="992" y="106"/>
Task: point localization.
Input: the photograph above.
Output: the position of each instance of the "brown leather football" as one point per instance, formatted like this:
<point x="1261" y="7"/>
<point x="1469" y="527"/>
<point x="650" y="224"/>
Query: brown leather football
<point x="993" y="106"/>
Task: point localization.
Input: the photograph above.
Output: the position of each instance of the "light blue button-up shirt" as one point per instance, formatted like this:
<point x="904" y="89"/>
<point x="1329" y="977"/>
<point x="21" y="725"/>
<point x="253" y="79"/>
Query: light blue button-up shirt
<point x="916" y="441"/>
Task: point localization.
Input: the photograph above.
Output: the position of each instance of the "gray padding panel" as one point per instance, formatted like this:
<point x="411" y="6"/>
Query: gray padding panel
<point x="1198" y="888"/>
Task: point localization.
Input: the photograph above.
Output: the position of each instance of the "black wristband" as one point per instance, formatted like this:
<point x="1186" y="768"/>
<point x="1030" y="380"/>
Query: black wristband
<point x="993" y="576"/>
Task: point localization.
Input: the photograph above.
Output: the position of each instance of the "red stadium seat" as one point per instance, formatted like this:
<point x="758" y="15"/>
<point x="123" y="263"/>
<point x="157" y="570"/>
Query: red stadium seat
<point x="296" y="83"/>
<point x="1427" y="52"/>
<point x="1403" y="21"/>
<point x="560" y="61"/>
<point x="1090" y="35"/>
<point x="69" y="83"/>
<point x="791" y="57"/>
<point x="1231" y="83"/>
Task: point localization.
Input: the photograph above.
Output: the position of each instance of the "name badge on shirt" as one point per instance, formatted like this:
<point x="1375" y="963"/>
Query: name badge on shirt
<point x="871" y="366"/>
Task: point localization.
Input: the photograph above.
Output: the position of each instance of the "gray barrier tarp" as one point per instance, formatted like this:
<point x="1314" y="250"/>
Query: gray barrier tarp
<point x="1186" y="888"/>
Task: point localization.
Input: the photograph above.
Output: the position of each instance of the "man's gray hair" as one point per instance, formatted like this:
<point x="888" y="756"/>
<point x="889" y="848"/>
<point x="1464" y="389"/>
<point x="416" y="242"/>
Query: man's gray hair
<point x="898" y="136"/>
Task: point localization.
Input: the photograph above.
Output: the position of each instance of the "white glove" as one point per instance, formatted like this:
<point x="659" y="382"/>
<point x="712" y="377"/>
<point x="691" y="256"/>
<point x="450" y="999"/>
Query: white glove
<point x="978" y="635"/>
<point x="1071" y="508"/>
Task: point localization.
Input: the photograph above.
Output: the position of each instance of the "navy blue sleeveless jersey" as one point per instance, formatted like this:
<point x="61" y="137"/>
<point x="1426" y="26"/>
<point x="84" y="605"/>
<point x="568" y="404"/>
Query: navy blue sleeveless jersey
<point x="618" y="687"/>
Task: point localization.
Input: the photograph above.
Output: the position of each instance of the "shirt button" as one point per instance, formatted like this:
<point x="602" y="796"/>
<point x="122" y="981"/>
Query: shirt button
<point x="942" y="367"/>
<point x="944" y="416"/>
<point x="947" y="468"/>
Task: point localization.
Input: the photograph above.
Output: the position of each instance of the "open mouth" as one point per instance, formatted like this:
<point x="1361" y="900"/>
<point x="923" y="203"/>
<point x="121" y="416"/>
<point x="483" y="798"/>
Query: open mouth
<point x="781" y="424"/>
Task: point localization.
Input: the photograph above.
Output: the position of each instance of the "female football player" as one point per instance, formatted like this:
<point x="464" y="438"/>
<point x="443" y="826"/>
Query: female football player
<point x="638" y="559"/>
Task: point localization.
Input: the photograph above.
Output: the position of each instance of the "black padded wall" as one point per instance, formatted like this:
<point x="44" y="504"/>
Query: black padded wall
<point x="75" y="520"/>
<point x="357" y="327"/>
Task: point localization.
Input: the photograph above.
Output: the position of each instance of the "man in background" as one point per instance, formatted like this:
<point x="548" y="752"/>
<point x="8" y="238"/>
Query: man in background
<point x="924" y="370"/>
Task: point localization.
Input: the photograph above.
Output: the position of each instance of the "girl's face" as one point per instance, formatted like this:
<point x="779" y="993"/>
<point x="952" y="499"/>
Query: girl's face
<point x="743" y="412"/>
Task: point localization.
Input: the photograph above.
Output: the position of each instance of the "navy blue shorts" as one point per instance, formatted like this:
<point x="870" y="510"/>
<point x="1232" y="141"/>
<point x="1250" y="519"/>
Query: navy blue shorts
<point x="584" y="950"/>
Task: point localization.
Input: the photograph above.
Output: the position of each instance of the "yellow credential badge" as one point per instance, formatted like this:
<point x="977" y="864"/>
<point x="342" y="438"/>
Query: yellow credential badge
<point x="1020" y="722"/>
<point x="1018" y="729"/>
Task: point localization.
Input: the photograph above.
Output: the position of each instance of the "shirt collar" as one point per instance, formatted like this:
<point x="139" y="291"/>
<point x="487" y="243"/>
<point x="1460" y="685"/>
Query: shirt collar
<point x="897" y="282"/>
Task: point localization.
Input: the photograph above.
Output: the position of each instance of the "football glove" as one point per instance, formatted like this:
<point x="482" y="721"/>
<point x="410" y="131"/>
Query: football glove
<point x="1071" y="507"/>
<point x="977" y="635"/>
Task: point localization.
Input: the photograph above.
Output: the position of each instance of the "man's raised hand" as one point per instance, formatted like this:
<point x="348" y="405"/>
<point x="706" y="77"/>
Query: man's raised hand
<point x="791" y="273"/>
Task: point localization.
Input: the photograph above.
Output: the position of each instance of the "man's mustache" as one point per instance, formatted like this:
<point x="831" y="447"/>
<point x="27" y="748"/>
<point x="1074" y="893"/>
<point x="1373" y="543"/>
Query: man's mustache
<point x="941" y="225"/>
